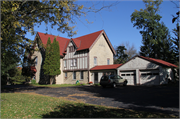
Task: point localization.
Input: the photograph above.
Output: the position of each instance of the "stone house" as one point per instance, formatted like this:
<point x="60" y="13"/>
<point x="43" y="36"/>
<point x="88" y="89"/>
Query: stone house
<point x="77" y="56"/>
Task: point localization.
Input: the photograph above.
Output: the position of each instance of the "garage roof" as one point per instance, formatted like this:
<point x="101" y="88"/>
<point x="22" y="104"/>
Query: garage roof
<point x="158" y="61"/>
<point x="106" y="67"/>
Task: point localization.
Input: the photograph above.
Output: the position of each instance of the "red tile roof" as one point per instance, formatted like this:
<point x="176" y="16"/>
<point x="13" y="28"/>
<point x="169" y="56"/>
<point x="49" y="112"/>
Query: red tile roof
<point x="82" y="43"/>
<point x="158" y="61"/>
<point x="63" y="42"/>
<point x="105" y="67"/>
<point x="77" y="42"/>
<point x="87" y="40"/>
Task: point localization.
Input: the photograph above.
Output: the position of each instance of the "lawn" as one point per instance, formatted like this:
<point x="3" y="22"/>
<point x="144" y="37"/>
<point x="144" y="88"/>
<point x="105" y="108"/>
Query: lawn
<point x="58" y="85"/>
<point x="21" y="105"/>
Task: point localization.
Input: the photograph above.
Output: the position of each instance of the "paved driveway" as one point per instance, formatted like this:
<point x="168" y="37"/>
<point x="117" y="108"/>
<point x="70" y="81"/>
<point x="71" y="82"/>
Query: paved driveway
<point x="153" y="99"/>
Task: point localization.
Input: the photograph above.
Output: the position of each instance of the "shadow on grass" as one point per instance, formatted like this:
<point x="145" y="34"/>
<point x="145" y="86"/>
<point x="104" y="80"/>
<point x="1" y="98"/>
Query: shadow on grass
<point x="19" y="88"/>
<point x="80" y="110"/>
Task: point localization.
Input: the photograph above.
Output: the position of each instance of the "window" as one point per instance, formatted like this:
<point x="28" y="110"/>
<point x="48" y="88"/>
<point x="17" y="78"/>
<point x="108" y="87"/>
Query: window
<point x="71" y="49"/>
<point x="108" y="61"/>
<point x="65" y="63"/>
<point x="73" y="62"/>
<point x="65" y="74"/>
<point x="95" y="61"/>
<point x="82" y="75"/>
<point x="74" y="75"/>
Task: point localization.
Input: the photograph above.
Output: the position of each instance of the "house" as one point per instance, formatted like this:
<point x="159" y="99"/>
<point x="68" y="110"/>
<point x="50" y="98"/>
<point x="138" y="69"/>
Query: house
<point x="77" y="56"/>
<point x="146" y="71"/>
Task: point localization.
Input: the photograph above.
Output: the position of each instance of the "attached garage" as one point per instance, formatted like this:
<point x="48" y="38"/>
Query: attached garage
<point x="130" y="76"/>
<point x="149" y="77"/>
<point x="146" y="71"/>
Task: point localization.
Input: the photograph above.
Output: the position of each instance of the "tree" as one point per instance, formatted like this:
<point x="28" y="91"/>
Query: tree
<point x="47" y="62"/>
<point x="51" y="65"/>
<point x="120" y="56"/>
<point x="130" y="50"/>
<point x="176" y="18"/>
<point x="155" y="35"/>
<point x="20" y="17"/>
<point x="175" y="40"/>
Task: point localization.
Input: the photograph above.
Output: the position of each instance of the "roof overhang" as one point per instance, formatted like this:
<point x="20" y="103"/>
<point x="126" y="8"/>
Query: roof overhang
<point x="106" y="67"/>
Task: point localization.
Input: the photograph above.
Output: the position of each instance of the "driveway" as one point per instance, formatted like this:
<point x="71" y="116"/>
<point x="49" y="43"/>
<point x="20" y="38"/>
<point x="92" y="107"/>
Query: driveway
<point x="161" y="99"/>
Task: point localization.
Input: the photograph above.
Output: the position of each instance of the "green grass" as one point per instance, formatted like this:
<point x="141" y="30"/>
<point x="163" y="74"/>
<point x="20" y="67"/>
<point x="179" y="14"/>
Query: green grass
<point x="58" y="85"/>
<point x="18" y="105"/>
<point x="98" y="84"/>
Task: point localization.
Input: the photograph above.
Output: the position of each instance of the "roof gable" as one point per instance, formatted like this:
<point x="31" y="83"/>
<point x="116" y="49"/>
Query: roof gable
<point x="63" y="42"/>
<point x="87" y="40"/>
<point x="76" y="42"/>
<point x="155" y="61"/>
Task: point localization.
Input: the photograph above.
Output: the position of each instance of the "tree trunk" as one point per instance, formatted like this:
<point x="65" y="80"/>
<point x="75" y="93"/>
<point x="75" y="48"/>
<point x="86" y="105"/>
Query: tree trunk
<point x="51" y="80"/>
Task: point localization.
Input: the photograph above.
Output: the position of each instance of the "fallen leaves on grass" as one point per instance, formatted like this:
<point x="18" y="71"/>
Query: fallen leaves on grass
<point x="20" y="105"/>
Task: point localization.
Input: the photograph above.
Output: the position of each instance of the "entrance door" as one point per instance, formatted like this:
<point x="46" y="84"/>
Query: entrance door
<point x="95" y="77"/>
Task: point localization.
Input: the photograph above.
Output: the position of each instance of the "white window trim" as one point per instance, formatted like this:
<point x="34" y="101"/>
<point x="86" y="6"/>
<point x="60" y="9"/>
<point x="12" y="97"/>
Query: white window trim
<point x="72" y="63"/>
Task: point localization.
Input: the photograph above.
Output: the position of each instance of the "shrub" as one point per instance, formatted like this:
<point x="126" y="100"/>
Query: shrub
<point x="33" y="81"/>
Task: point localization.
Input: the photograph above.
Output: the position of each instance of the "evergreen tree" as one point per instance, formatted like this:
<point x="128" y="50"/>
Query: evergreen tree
<point x="47" y="62"/>
<point x="52" y="60"/>
<point x="121" y="56"/>
<point x="155" y="35"/>
<point x="175" y="40"/>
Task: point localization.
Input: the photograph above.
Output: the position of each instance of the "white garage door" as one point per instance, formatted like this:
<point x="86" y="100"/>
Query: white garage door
<point x="130" y="76"/>
<point x="149" y="77"/>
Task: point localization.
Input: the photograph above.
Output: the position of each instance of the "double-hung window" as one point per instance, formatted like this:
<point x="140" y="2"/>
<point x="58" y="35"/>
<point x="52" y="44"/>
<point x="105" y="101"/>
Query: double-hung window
<point x="65" y="74"/>
<point x="71" y="49"/>
<point x="73" y="62"/>
<point x="108" y="61"/>
<point x="95" y="61"/>
<point x="65" y="63"/>
<point x="74" y="75"/>
<point x="82" y="75"/>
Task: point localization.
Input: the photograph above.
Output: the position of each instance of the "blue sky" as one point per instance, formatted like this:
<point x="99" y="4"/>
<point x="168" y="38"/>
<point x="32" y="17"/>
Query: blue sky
<point x="116" y="22"/>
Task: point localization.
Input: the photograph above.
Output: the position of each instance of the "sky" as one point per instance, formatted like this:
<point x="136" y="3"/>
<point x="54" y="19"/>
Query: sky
<point x="115" y="21"/>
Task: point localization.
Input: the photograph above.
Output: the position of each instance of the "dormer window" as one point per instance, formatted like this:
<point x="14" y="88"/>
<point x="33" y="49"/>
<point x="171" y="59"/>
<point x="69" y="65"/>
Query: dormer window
<point x="71" y="49"/>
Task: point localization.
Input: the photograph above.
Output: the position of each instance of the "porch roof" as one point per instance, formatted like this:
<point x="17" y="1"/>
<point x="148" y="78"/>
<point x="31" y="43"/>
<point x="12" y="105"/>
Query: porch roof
<point x="106" y="67"/>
